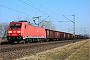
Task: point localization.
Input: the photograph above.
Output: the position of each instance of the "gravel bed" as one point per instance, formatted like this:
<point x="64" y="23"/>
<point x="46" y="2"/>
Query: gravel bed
<point x="28" y="50"/>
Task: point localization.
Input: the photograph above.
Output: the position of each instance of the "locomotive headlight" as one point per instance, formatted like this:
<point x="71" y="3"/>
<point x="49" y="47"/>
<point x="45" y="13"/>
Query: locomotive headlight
<point x="9" y="34"/>
<point x="9" y="31"/>
<point x="18" y="31"/>
<point x="19" y="34"/>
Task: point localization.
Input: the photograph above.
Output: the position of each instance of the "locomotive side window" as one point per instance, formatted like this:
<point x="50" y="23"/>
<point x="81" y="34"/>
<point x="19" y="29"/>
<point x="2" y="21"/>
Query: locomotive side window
<point x="25" y="26"/>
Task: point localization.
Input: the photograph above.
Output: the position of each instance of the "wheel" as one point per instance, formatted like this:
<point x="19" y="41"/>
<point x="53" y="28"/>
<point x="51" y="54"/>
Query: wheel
<point x="46" y="40"/>
<point x="24" y="42"/>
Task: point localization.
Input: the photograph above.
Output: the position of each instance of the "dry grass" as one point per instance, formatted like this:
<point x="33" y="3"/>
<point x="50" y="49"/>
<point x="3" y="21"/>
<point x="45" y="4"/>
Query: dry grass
<point x="66" y="52"/>
<point x="81" y="54"/>
<point x="2" y="40"/>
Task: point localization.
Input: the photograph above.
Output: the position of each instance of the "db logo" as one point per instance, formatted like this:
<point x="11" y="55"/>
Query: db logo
<point x="14" y="31"/>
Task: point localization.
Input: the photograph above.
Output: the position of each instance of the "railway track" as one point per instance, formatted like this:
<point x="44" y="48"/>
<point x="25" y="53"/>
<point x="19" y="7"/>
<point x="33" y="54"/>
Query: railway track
<point x="19" y="50"/>
<point x="10" y="47"/>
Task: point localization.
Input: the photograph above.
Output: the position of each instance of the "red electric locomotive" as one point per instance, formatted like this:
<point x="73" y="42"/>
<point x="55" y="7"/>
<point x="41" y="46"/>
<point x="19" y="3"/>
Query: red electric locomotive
<point x="22" y="31"/>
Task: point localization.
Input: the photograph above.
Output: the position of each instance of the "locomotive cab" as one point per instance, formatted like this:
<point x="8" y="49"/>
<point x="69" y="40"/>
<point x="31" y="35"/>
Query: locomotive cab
<point x="14" y="32"/>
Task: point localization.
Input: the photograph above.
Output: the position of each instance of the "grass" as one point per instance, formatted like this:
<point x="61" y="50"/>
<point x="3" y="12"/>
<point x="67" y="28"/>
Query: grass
<point x="2" y="40"/>
<point x="81" y="54"/>
<point x="73" y="51"/>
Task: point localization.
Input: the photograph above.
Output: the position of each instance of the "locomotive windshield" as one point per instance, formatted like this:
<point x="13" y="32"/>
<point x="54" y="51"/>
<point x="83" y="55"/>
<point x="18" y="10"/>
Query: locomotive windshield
<point x="15" y="25"/>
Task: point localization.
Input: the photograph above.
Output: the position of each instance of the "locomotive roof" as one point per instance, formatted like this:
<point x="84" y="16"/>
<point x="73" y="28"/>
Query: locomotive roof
<point x="23" y="21"/>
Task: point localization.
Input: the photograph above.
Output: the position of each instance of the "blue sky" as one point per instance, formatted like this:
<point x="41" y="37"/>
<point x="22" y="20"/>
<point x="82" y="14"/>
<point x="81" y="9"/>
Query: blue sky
<point x="55" y="9"/>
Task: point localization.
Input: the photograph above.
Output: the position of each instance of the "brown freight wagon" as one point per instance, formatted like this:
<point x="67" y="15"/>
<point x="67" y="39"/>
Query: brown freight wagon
<point x="66" y="36"/>
<point x="70" y="36"/>
<point x="57" y="35"/>
<point x="81" y="37"/>
<point x="50" y="34"/>
<point x="62" y="35"/>
<point x="77" y="36"/>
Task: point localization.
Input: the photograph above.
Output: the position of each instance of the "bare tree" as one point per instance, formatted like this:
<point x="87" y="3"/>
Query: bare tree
<point x="46" y="24"/>
<point x="0" y="30"/>
<point x="3" y="29"/>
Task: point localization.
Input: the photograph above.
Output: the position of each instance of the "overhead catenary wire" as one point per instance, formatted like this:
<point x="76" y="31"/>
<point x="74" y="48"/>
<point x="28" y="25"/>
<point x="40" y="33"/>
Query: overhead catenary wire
<point x="46" y="8"/>
<point x="72" y="22"/>
<point x="33" y="7"/>
<point x="68" y="18"/>
<point x="25" y="8"/>
<point x="38" y="9"/>
<point x="42" y="6"/>
<point x="16" y="5"/>
<point x="14" y="10"/>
